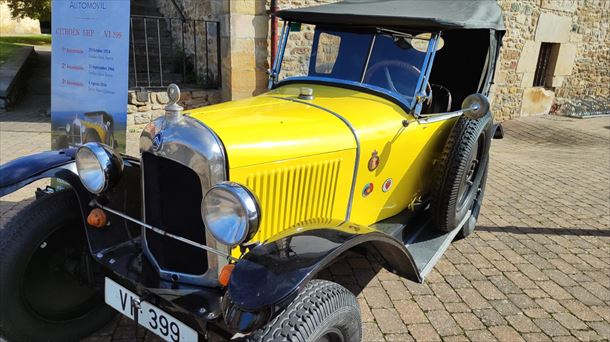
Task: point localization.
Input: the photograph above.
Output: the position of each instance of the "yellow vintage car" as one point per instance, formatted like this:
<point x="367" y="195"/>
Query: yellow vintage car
<point x="91" y="127"/>
<point x="373" y="138"/>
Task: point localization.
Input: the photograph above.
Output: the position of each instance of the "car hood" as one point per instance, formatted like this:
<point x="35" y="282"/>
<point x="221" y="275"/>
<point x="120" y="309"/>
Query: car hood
<point x="270" y="128"/>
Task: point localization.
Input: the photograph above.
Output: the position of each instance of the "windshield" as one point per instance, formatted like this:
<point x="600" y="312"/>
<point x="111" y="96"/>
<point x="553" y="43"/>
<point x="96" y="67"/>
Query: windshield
<point x="394" y="63"/>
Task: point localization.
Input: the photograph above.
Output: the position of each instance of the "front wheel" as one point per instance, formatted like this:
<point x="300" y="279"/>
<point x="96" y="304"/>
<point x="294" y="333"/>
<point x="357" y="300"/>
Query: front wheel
<point x="46" y="274"/>
<point x="323" y="312"/>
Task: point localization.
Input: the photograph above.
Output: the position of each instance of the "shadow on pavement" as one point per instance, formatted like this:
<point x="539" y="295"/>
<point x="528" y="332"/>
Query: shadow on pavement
<point x="546" y="230"/>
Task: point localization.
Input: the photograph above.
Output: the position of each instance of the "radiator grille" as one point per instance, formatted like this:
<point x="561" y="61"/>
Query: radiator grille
<point x="295" y="195"/>
<point x="172" y="199"/>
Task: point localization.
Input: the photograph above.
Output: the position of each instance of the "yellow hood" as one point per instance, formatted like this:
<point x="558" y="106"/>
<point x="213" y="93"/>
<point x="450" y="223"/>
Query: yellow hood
<point x="267" y="129"/>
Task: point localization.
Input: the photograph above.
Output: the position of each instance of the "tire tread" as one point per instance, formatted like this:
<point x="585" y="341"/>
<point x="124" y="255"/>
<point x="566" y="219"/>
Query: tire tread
<point x="457" y="148"/>
<point x="318" y="301"/>
<point x="17" y="234"/>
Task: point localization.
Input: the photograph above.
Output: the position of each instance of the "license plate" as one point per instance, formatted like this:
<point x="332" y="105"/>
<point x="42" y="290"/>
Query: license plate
<point x="148" y="315"/>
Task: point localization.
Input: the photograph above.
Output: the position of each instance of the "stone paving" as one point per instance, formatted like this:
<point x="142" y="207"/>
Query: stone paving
<point x="536" y="269"/>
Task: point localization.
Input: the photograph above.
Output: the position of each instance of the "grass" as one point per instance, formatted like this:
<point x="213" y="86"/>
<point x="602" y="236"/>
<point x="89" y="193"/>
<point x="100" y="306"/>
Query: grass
<point x="39" y="39"/>
<point x="10" y="44"/>
<point x="7" y="51"/>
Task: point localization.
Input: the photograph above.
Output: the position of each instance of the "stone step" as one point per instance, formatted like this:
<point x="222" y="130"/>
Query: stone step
<point x="153" y="44"/>
<point x="154" y="75"/>
<point x="154" y="82"/>
<point x="138" y="23"/>
<point x="155" y="79"/>
<point x="139" y="33"/>
<point x="167" y="58"/>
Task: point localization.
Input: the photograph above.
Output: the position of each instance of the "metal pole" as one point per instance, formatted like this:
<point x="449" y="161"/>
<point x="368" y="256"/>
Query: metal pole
<point x="195" y="47"/>
<point x="183" y="55"/>
<point x="368" y="58"/>
<point x="218" y="55"/>
<point x="147" y="56"/>
<point x="159" y="46"/>
<point x="207" y="65"/>
<point x="274" y="9"/>
<point x="172" y="46"/>
<point x="133" y="50"/>
<point x="163" y="232"/>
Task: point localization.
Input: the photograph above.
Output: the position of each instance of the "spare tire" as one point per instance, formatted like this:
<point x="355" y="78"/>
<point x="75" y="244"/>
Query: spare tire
<point x="461" y="174"/>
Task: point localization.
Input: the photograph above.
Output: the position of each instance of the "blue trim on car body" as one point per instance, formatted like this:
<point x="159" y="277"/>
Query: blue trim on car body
<point x="277" y="68"/>
<point x="408" y="105"/>
<point x="428" y="60"/>
<point x="279" y="55"/>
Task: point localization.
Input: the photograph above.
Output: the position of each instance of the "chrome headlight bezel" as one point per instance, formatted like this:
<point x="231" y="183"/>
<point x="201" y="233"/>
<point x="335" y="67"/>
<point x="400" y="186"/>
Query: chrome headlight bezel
<point x="98" y="167"/>
<point x="245" y="208"/>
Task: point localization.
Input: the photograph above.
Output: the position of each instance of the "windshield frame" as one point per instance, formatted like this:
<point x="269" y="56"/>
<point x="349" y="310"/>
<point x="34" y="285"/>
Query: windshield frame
<point x="412" y="106"/>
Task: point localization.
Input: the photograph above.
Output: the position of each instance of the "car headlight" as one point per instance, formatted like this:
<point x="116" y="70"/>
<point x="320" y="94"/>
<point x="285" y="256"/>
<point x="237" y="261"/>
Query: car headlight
<point x="231" y="213"/>
<point x="98" y="167"/>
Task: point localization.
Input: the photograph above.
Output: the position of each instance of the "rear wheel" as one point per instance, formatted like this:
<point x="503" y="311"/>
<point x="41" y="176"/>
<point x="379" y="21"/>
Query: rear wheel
<point x="324" y="311"/>
<point x="46" y="274"/>
<point x="461" y="175"/>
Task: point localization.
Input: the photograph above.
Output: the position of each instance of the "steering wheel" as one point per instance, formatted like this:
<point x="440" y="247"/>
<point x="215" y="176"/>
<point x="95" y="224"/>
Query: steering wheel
<point x="400" y="64"/>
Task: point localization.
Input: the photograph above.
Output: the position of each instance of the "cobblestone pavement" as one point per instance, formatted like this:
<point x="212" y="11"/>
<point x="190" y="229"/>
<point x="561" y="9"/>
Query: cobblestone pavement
<point x="537" y="268"/>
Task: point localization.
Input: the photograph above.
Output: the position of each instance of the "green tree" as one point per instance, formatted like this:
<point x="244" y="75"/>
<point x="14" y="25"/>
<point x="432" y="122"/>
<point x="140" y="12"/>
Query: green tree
<point x="35" y="9"/>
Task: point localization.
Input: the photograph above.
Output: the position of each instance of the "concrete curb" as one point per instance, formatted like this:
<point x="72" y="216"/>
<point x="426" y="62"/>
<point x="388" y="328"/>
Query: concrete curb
<point x="13" y="77"/>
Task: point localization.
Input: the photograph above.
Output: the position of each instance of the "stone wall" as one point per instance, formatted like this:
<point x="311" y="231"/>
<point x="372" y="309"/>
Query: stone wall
<point x="199" y="31"/>
<point x="244" y="36"/>
<point x="581" y="69"/>
<point x="249" y="42"/>
<point x="144" y="107"/>
<point x="299" y="46"/>
<point x="591" y="71"/>
<point x="579" y="26"/>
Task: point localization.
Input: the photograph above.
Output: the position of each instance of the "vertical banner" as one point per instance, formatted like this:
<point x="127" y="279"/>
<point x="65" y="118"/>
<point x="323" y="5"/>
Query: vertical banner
<point x="89" y="73"/>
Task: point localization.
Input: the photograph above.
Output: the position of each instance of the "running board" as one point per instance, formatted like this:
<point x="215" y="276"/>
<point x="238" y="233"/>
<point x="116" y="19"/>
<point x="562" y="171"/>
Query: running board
<point x="424" y="242"/>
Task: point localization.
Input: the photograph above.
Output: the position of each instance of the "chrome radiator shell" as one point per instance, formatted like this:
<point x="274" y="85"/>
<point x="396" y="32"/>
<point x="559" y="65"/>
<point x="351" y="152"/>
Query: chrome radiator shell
<point x="191" y="143"/>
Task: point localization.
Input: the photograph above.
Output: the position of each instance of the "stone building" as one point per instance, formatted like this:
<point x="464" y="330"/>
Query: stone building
<point x="555" y="53"/>
<point x="10" y="25"/>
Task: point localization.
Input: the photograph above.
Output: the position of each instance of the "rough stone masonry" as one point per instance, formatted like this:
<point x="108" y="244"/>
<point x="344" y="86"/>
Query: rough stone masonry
<point x="579" y="65"/>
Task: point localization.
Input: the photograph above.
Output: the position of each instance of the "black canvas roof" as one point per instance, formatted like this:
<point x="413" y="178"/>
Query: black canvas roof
<point x="417" y="14"/>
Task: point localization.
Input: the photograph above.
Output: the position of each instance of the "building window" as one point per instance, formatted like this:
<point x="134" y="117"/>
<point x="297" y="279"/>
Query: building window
<point x="327" y="53"/>
<point x="545" y="68"/>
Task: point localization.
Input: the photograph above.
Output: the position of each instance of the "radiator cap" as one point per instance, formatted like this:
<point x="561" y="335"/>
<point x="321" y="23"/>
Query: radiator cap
<point x="306" y="93"/>
<point x="172" y="109"/>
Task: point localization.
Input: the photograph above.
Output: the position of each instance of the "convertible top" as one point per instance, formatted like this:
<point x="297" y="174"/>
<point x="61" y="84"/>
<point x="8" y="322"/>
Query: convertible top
<point x="417" y="14"/>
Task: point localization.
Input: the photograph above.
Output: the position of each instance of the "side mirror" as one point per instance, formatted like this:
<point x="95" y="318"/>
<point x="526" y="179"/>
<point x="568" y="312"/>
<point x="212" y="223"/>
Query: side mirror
<point x="475" y="106"/>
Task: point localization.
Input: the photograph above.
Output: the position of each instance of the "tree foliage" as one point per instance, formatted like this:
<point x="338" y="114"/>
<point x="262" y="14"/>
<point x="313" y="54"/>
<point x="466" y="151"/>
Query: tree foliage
<point x="35" y="9"/>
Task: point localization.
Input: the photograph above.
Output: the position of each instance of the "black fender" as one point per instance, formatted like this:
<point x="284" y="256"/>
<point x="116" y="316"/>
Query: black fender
<point x="270" y="275"/>
<point x="125" y="196"/>
<point x="25" y="170"/>
<point x="498" y="131"/>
